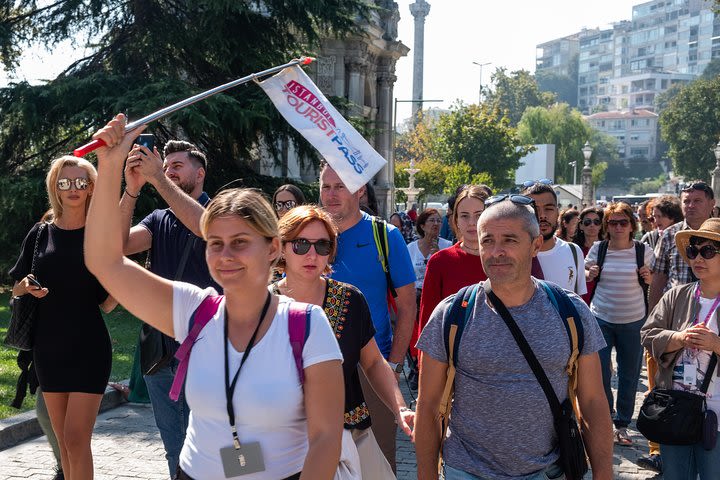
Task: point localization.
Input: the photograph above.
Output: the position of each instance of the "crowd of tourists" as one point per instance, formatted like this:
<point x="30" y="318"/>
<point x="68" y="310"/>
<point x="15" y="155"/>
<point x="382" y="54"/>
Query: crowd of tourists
<point x="302" y="316"/>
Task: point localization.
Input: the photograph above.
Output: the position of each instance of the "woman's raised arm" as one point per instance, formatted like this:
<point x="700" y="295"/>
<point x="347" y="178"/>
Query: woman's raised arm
<point x="142" y="293"/>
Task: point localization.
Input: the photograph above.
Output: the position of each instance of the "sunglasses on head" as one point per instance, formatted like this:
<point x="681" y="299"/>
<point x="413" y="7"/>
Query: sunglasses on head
<point x="707" y="251"/>
<point x="514" y="198"/>
<point x="622" y="223"/>
<point x="301" y="246"/>
<point x="589" y="221"/>
<point x="287" y="205"/>
<point x="542" y="181"/>
<point x="67" y="183"/>
<point x="702" y="186"/>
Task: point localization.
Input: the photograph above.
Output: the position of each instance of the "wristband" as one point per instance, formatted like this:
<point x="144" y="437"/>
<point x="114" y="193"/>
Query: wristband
<point x="131" y="195"/>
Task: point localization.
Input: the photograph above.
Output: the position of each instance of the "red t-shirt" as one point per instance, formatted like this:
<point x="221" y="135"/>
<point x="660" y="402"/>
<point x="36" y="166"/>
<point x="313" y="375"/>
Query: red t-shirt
<point x="447" y="272"/>
<point x="591" y="283"/>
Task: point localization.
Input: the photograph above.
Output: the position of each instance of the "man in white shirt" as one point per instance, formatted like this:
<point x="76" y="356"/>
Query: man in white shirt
<point x="561" y="262"/>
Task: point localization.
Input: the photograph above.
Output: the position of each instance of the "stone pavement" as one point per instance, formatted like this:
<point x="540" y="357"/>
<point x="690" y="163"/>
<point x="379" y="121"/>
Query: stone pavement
<point x="127" y="446"/>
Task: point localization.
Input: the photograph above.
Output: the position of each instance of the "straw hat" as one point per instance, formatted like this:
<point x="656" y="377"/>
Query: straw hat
<point x="710" y="229"/>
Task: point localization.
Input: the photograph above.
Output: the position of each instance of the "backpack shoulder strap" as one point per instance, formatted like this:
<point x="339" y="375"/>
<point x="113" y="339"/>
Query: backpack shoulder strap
<point x="457" y="316"/>
<point x="200" y="317"/>
<point x="299" y="329"/>
<point x="602" y="253"/>
<point x="380" y="236"/>
<point x="640" y="262"/>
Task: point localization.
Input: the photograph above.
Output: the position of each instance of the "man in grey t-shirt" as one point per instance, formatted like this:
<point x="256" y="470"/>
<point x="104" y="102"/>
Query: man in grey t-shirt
<point x="501" y="425"/>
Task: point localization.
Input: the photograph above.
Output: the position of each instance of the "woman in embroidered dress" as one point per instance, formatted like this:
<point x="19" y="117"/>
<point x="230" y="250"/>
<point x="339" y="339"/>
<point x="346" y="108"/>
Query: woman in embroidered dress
<point x="242" y="370"/>
<point x="309" y="242"/>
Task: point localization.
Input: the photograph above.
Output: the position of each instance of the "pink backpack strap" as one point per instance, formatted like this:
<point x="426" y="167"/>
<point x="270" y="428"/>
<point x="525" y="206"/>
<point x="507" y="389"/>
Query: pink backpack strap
<point x="200" y="317"/>
<point x="299" y="329"/>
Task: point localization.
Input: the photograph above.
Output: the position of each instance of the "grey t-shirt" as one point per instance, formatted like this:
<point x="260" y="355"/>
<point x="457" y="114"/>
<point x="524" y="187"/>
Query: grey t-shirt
<point x="501" y="426"/>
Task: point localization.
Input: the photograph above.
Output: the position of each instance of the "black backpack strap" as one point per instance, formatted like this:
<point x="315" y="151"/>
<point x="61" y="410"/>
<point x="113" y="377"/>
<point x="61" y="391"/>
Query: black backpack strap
<point x="640" y="262"/>
<point x="577" y="267"/>
<point x="458" y="315"/>
<point x="602" y="252"/>
<point x="381" y="242"/>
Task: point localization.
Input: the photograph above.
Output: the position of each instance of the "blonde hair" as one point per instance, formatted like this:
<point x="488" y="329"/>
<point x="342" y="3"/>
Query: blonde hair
<point x="52" y="177"/>
<point x="246" y="203"/>
<point x="294" y="221"/>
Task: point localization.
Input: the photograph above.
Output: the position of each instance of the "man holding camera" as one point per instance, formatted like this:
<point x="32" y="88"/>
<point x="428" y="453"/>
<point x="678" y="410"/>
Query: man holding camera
<point x="177" y="252"/>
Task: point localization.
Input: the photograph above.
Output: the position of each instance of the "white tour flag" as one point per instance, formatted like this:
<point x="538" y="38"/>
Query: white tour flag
<point x="305" y="107"/>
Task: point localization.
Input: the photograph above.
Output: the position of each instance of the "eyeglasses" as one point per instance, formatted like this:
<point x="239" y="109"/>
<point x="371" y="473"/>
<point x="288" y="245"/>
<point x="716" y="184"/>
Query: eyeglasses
<point x="67" y="183"/>
<point x="433" y="220"/>
<point x="589" y="221"/>
<point x="700" y="186"/>
<point x="514" y="198"/>
<point x="542" y="181"/>
<point x="301" y="246"/>
<point x="287" y="205"/>
<point x="618" y="223"/>
<point x="707" y="251"/>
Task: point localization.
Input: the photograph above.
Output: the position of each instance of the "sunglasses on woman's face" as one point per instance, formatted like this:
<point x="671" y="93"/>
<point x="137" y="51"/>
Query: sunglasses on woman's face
<point x="301" y="246"/>
<point x="589" y="221"/>
<point x="707" y="251"/>
<point x="287" y="205"/>
<point x="618" y="223"/>
<point x="65" y="184"/>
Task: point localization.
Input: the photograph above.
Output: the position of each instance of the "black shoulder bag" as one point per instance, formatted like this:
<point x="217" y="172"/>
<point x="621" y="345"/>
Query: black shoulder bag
<point x="156" y="348"/>
<point x="19" y="333"/>
<point x="677" y="417"/>
<point x="573" y="460"/>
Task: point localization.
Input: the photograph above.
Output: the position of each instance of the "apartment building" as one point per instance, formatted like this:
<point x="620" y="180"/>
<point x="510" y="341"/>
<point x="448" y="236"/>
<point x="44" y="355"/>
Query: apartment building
<point x="634" y="130"/>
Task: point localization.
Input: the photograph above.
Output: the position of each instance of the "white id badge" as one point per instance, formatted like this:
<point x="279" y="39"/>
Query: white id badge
<point x="690" y="375"/>
<point x="247" y="460"/>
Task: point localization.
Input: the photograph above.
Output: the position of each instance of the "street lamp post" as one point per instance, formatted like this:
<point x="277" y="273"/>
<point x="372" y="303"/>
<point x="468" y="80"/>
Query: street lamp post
<point x="716" y="174"/>
<point x="574" y="165"/>
<point x="481" y="65"/>
<point x="588" y="197"/>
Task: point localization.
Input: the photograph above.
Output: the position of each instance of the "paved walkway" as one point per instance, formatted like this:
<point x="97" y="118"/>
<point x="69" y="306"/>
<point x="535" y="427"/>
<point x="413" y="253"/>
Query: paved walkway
<point x="127" y="446"/>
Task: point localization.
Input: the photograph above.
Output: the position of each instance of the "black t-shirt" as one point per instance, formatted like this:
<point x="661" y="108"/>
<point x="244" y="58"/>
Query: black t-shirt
<point x="349" y="317"/>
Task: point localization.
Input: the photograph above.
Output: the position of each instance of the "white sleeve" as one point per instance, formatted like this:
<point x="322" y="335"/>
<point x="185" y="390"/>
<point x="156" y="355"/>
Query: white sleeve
<point x="649" y="257"/>
<point x="592" y="254"/>
<point x="580" y="284"/>
<point x="186" y="298"/>
<point x="321" y="344"/>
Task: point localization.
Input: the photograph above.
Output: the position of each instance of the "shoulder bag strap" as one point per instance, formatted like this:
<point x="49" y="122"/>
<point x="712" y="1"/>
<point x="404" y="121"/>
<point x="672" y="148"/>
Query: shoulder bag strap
<point x="640" y="262"/>
<point x="577" y="267"/>
<point x="709" y="373"/>
<point x="526" y="351"/>
<point x="200" y="317"/>
<point x="298" y="329"/>
<point x="36" y="249"/>
<point x="381" y="242"/>
<point x="185" y="255"/>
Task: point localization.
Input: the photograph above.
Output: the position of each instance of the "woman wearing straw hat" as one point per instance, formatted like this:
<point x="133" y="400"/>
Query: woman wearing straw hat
<point x="682" y="334"/>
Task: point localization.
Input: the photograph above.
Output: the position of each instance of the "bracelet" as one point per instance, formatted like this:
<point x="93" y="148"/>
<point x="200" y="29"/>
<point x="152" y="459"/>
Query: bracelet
<point x="131" y="195"/>
<point x="405" y="409"/>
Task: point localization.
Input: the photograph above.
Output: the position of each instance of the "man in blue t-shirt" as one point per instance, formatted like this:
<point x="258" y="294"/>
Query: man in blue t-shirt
<point x="177" y="252"/>
<point x="358" y="263"/>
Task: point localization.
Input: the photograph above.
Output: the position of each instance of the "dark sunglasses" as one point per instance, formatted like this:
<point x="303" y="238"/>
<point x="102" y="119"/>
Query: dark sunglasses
<point x="516" y="199"/>
<point x="67" y="183"/>
<point x="589" y="221"/>
<point x="287" y="205"/>
<point x="301" y="246"/>
<point x="707" y="251"/>
<point x="700" y="186"/>
<point x="622" y="223"/>
<point x="542" y="181"/>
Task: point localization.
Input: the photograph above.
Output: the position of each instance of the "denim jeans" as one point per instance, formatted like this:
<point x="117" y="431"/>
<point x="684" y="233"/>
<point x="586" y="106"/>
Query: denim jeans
<point x="686" y="462"/>
<point x="625" y="337"/>
<point x="171" y="417"/>
<point x="553" y="472"/>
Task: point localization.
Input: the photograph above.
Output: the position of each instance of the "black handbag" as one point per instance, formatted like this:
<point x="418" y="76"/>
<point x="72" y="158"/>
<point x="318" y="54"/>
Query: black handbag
<point x="20" y="330"/>
<point x="676" y="417"/>
<point x="573" y="460"/>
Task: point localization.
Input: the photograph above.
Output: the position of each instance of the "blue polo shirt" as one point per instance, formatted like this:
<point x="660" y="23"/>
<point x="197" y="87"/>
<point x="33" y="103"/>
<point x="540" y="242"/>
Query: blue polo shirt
<point x="169" y="238"/>
<point x="358" y="263"/>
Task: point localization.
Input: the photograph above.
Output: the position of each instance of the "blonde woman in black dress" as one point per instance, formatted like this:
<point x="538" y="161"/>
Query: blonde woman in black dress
<point x="71" y="345"/>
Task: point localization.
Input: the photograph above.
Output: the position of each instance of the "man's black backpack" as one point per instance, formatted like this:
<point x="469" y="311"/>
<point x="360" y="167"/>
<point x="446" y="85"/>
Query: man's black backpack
<point x="639" y="261"/>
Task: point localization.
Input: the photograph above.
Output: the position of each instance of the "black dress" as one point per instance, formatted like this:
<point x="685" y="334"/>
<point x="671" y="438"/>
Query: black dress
<point x="72" y="351"/>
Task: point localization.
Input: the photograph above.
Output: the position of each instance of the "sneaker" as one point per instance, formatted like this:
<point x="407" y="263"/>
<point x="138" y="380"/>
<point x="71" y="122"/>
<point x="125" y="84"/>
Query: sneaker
<point x="651" y="462"/>
<point x="622" y="437"/>
<point x="59" y="475"/>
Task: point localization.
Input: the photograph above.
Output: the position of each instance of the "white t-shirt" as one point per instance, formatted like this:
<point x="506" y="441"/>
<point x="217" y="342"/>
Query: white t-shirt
<point x="618" y="295"/>
<point x="268" y="397"/>
<point x="559" y="266"/>
<point x="696" y="362"/>
<point x="419" y="261"/>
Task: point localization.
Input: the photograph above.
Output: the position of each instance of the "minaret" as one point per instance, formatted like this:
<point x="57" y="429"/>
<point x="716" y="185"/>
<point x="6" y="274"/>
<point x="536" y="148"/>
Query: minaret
<point x="419" y="11"/>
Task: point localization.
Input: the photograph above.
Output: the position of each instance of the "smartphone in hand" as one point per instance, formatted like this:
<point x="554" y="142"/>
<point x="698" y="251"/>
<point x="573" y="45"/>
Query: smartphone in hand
<point x="34" y="282"/>
<point x="146" y="140"/>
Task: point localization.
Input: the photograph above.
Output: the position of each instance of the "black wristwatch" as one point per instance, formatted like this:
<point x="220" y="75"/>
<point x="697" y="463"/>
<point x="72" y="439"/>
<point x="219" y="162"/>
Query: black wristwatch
<point x="396" y="367"/>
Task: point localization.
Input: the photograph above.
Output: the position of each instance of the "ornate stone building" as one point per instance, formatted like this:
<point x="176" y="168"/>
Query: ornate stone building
<point x="362" y="71"/>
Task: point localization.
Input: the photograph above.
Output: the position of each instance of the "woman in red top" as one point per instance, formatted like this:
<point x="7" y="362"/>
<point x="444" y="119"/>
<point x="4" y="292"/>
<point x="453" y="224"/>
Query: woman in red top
<point x="455" y="267"/>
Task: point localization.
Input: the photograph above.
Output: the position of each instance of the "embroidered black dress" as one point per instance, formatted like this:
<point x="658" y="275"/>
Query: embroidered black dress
<point x="72" y="351"/>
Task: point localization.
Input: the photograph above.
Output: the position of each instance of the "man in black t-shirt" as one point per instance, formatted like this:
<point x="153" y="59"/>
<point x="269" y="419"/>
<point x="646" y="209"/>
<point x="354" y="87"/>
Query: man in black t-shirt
<point x="177" y="252"/>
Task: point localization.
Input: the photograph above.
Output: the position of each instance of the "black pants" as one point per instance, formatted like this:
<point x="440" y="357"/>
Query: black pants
<point x="184" y="476"/>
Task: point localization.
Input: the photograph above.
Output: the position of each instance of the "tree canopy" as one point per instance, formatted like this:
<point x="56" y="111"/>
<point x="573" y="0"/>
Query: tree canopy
<point x="513" y="93"/>
<point x="691" y="127"/>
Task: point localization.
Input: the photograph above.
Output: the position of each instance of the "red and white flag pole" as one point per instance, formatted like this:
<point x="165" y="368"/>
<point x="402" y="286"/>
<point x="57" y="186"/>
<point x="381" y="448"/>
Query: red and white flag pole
<point x="95" y="144"/>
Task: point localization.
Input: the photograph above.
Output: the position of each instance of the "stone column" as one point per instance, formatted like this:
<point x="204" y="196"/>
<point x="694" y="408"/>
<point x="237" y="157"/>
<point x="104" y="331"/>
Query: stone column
<point x="588" y="196"/>
<point x="356" y="90"/>
<point x="419" y="10"/>
<point x="385" y="179"/>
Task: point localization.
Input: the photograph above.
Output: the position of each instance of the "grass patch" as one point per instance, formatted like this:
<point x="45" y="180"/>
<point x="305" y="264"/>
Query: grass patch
<point x="123" y="329"/>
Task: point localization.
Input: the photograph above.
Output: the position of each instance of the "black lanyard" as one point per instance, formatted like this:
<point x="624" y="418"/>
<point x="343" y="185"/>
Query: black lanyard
<point x="230" y="386"/>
